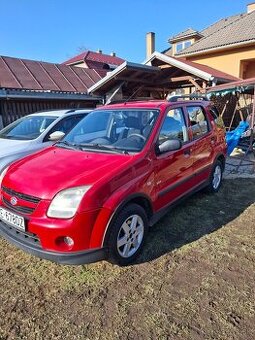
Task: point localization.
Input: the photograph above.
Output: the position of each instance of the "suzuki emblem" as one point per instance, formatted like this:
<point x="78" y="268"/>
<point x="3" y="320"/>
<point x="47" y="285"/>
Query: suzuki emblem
<point x="13" y="200"/>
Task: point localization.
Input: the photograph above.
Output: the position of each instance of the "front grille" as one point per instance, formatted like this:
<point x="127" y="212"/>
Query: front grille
<point x="17" y="208"/>
<point x="24" y="197"/>
<point x="24" y="207"/>
<point x="23" y="236"/>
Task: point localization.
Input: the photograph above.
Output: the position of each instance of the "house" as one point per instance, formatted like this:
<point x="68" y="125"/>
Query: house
<point x="98" y="61"/>
<point x="27" y="86"/>
<point x="227" y="45"/>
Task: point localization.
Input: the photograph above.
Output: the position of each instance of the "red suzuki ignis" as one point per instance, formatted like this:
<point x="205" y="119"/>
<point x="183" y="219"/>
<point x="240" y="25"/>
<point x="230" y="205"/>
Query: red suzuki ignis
<point x="94" y="194"/>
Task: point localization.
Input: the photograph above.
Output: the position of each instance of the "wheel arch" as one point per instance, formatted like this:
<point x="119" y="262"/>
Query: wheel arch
<point x="222" y="159"/>
<point x="140" y="199"/>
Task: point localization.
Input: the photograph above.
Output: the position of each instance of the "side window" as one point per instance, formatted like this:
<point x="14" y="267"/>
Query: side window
<point x="174" y="126"/>
<point x="64" y="125"/>
<point x="199" y="123"/>
<point x="216" y="117"/>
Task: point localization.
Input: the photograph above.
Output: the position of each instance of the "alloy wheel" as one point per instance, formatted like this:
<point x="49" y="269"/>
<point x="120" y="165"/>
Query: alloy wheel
<point x="130" y="236"/>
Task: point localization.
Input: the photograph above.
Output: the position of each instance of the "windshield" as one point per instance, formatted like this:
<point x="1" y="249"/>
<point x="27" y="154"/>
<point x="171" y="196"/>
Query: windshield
<point x="27" y="128"/>
<point x="123" y="130"/>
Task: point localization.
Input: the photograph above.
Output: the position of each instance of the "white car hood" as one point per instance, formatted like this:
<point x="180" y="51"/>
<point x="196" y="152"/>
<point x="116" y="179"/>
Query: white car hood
<point x="9" y="147"/>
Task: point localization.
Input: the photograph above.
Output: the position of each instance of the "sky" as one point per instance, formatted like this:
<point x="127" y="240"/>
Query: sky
<point x="56" y="30"/>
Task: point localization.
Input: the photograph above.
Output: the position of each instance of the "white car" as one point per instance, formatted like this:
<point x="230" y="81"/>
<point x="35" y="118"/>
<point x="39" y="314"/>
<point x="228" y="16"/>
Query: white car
<point x="34" y="132"/>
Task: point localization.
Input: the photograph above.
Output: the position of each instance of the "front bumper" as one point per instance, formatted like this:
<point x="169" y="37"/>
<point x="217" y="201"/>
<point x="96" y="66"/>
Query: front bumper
<point x="29" y="245"/>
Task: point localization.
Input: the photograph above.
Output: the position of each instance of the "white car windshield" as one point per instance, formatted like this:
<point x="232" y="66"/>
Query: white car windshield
<point x="113" y="130"/>
<point x="27" y="128"/>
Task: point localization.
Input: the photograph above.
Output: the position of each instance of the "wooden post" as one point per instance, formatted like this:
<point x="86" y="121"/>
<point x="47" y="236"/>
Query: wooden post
<point x="253" y="111"/>
<point x="224" y="108"/>
<point x="233" y="116"/>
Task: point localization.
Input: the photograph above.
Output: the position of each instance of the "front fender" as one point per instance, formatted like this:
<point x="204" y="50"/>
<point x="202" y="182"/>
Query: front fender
<point x="114" y="204"/>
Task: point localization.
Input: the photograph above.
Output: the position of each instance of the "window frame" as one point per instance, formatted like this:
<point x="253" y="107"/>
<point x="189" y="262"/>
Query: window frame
<point x="182" y="44"/>
<point x="186" y="122"/>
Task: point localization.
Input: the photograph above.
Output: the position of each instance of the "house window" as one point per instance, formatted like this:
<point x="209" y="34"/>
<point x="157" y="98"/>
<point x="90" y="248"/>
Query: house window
<point x="182" y="45"/>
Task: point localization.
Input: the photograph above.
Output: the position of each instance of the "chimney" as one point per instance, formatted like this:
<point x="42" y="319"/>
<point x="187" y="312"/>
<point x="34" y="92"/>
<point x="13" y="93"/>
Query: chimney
<point x="150" y="44"/>
<point x="99" y="51"/>
<point x="113" y="54"/>
<point x="251" y="7"/>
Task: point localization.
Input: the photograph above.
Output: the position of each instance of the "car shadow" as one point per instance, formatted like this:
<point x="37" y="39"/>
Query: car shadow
<point x="197" y="216"/>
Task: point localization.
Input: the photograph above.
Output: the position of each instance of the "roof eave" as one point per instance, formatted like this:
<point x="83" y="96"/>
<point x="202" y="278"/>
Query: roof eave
<point x="177" y="63"/>
<point x="48" y="95"/>
<point x="174" y="40"/>
<point x="220" y="48"/>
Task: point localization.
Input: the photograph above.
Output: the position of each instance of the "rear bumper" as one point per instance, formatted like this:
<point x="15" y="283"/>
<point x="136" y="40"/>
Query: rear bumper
<point x="71" y="258"/>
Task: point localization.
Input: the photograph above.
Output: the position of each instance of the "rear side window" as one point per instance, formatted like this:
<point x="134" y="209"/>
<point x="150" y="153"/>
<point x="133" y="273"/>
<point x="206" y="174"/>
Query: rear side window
<point x="216" y="117"/>
<point x="198" y="121"/>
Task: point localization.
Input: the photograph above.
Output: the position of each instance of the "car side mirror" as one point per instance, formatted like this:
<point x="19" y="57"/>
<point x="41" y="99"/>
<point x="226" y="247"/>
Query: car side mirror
<point x="55" y="136"/>
<point x="170" y="145"/>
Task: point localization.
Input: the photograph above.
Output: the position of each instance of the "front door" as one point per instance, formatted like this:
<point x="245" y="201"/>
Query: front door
<point x="174" y="168"/>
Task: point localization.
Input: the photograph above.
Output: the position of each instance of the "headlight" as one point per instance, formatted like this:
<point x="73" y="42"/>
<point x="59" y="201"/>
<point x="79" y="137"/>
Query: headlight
<point x="66" y="202"/>
<point x="3" y="174"/>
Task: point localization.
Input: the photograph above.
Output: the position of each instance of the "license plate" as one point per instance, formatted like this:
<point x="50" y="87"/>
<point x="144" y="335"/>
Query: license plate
<point x="12" y="219"/>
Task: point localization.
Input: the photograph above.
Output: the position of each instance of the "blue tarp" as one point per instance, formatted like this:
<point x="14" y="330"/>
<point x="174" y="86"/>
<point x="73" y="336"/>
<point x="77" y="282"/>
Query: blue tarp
<point x="233" y="137"/>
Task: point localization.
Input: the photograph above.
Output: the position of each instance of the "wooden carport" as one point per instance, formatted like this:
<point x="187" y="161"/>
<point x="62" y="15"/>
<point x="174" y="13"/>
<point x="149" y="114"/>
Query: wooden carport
<point x="156" y="78"/>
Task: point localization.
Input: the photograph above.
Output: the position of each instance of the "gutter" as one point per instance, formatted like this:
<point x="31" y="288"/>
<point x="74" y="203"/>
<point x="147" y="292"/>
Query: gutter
<point x="220" y="48"/>
<point x="26" y="94"/>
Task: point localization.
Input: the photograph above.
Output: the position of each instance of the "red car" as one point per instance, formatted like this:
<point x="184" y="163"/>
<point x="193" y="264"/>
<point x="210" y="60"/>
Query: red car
<point x="95" y="194"/>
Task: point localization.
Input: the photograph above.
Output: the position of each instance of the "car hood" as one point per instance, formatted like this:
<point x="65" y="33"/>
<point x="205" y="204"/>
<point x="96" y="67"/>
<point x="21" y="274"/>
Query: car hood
<point x="54" y="169"/>
<point x="9" y="146"/>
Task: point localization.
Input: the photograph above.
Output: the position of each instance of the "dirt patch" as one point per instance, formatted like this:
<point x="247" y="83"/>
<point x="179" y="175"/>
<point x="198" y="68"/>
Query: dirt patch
<point x="194" y="280"/>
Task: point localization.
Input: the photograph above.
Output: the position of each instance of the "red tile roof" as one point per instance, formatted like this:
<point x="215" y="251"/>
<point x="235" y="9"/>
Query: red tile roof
<point x="97" y="57"/>
<point x="36" y="75"/>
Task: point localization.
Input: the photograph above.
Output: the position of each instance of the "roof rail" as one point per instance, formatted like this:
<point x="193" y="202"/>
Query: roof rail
<point x="175" y="98"/>
<point x="70" y="111"/>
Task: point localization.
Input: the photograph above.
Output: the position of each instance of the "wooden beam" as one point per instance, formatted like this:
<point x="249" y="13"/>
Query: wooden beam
<point x="178" y="79"/>
<point x="136" y="80"/>
<point x="197" y="86"/>
<point x="164" y="66"/>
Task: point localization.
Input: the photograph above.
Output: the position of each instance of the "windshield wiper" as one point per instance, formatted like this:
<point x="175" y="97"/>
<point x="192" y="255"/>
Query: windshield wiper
<point x="97" y="146"/>
<point x="67" y="145"/>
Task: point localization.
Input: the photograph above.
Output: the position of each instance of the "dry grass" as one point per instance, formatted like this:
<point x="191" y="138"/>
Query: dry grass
<point x="195" y="280"/>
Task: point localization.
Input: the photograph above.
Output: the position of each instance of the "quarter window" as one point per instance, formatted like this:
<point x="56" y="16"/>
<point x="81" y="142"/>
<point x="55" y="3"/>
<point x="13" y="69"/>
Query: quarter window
<point x="174" y="127"/>
<point x="199" y="124"/>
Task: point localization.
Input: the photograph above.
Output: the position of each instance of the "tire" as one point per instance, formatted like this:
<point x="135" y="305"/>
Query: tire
<point x="215" y="180"/>
<point x="124" y="242"/>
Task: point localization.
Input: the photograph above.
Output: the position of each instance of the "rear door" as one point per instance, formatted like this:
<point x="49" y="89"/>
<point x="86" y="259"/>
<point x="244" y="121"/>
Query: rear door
<point x="174" y="168"/>
<point x="203" y="141"/>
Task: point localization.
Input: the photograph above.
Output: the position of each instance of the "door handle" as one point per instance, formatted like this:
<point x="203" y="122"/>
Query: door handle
<point x="187" y="152"/>
<point x="213" y="140"/>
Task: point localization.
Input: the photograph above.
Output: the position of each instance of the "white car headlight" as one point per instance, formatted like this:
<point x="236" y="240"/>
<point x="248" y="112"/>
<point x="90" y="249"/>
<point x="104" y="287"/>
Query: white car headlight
<point x="3" y="174"/>
<point x="66" y="202"/>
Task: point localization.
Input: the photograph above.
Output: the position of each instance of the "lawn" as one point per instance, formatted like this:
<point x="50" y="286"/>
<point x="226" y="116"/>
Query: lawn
<point x="194" y="280"/>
